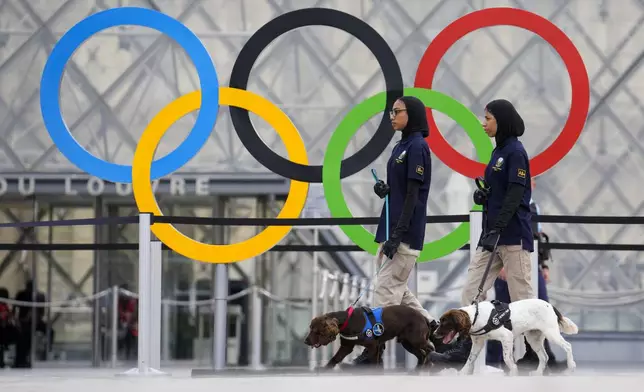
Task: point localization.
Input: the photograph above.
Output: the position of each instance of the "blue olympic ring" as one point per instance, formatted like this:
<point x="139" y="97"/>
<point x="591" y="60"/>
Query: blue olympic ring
<point x="53" y="73"/>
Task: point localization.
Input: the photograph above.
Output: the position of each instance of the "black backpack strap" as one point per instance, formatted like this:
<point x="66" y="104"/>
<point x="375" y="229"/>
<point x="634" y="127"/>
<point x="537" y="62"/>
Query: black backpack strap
<point x="370" y="315"/>
<point x="500" y="316"/>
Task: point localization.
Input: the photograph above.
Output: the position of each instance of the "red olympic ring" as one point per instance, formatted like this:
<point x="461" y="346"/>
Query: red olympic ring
<point x="550" y="33"/>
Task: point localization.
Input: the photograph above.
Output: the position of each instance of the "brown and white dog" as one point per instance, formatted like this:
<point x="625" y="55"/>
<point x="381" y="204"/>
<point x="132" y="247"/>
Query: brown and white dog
<point x="410" y="327"/>
<point x="533" y="318"/>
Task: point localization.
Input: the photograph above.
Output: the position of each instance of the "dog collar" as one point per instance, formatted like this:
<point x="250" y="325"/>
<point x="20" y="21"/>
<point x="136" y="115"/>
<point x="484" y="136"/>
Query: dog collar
<point x="346" y="322"/>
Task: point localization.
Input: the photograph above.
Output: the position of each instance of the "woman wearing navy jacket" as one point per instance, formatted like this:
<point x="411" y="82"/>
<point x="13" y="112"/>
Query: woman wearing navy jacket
<point x="408" y="181"/>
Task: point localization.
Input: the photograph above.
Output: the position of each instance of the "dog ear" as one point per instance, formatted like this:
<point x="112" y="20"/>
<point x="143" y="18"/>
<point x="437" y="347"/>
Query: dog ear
<point x="462" y="321"/>
<point x="332" y="326"/>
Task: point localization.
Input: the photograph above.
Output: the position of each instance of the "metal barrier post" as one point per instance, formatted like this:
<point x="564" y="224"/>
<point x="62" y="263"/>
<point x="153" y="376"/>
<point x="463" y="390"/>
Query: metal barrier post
<point x="364" y="285"/>
<point x="335" y="297"/>
<point x="314" y="296"/>
<point x="115" y="325"/>
<point x="476" y="228"/>
<point x="371" y="289"/>
<point x="325" y="309"/>
<point x="220" y="324"/>
<point x="144" y="293"/>
<point x="346" y="290"/>
<point x="353" y="294"/>
<point x="165" y="332"/>
<point x="344" y="298"/>
<point x="146" y="299"/>
<point x="156" y="277"/>
<point x="256" y="330"/>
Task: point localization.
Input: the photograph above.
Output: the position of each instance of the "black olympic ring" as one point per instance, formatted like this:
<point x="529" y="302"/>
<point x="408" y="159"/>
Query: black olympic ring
<point x="315" y="17"/>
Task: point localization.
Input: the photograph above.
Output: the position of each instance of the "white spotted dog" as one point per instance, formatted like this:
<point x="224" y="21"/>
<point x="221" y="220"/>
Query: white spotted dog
<point x="534" y="318"/>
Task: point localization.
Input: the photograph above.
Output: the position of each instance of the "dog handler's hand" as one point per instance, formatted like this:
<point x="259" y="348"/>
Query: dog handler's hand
<point x="480" y="197"/>
<point x="381" y="189"/>
<point x="489" y="240"/>
<point x="390" y="247"/>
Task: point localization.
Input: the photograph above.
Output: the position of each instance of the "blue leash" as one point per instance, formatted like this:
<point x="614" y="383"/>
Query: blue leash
<point x="375" y="176"/>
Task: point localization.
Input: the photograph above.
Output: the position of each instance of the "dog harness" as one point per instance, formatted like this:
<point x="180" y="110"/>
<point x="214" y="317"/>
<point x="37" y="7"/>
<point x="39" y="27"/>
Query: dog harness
<point x="373" y="326"/>
<point x="500" y="316"/>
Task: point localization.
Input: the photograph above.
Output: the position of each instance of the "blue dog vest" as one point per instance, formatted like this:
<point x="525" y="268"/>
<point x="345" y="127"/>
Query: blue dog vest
<point x="373" y="326"/>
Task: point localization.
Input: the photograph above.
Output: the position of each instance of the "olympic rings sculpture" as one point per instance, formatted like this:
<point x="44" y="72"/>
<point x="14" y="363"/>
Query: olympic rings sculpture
<point x="143" y="169"/>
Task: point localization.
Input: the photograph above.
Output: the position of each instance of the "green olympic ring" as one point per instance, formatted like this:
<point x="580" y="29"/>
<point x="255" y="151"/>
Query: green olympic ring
<point x="350" y="125"/>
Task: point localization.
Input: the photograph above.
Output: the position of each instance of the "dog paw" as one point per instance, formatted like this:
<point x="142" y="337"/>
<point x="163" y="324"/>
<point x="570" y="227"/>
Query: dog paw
<point x="514" y="371"/>
<point x="571" y="367"/>
<point x="536" y="373"/>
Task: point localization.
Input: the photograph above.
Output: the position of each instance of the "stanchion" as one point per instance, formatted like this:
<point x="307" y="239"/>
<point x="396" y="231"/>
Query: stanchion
<point x="325" y="309"/>
<point x="355" y="288"/>
<point x="165" y="332"/>
<point x="220" y="324"/>
<point x="149" y="321"/>
<point x="371" y="289"/>
<point x="476" y="228"/>
<point x="314" y="296"/>
<point x="335" y="300"/>
<point x="256" y="328"/>
<point x="156" y="278"/>
<point x="364" y="300"/>
<point x="353" y="294"/>
<point x="115" y="325"/>
<point x="345" y="300"/>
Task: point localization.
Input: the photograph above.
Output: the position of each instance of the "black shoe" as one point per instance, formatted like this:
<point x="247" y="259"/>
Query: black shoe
<point x="363" y="359"/>
<point x="457" y="352"/>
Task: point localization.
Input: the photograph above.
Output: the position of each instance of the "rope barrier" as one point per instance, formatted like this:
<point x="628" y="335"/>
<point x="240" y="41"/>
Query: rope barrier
<point x="283" y="301"/>
<point x="206" y="221"/>
<point x="303" y="222"/>
<point x="78" y="303"/>
<point x="75" y="302"/>
<point x="345" y="287"/>
<point x="297" y="248"/>
<point x="116" y="220"/>
<point x="353" y="221"/>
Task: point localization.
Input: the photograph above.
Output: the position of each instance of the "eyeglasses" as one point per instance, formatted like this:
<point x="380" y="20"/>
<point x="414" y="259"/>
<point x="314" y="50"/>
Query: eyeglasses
<point x="395" y="112"/>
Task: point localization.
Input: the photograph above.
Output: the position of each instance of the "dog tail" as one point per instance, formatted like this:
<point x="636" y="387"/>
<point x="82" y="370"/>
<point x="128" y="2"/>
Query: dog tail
<point x="567" y="325"/>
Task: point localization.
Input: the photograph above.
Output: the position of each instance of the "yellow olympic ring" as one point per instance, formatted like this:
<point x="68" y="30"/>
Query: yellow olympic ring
<point x="166" y="232"/>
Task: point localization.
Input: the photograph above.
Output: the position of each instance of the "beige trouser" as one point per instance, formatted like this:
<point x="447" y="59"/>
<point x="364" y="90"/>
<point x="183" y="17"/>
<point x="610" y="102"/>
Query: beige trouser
<point x="391" y="283"/>
<point x="518" y="270"/>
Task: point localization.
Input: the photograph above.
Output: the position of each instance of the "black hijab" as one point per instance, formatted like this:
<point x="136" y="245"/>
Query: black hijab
<point x="509" y="122"/>
<point x="416" y="117"/>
